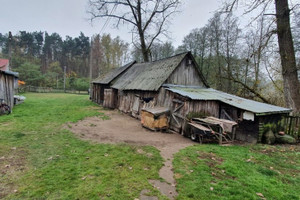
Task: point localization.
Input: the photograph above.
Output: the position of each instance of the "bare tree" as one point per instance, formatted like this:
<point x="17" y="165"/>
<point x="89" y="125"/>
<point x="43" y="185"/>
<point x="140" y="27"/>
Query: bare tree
<point x="147" y="18"/>
<point x="285" y="43"/>
<point x="160" y="51"/>
<point x="216" y="31"/>
<point x="231" y="35"/>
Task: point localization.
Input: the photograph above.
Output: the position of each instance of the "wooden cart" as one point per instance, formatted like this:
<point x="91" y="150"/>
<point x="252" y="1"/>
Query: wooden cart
<point x="213" y="129"/>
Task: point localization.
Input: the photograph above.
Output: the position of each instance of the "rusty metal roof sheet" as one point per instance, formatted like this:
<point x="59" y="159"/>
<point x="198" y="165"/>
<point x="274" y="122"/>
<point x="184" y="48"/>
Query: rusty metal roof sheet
<point x="245" y="104"/>
<point x="108" y="78"/>
<point x="148" y="76"/>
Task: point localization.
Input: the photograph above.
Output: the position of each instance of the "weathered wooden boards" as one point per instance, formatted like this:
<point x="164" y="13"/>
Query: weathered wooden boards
<point x="7" y="88"/>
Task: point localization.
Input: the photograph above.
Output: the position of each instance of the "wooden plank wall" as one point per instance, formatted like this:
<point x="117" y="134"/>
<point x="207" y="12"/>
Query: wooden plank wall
<point x="248" y="131"/>
<point x="98" y="92"/>
<point x="7" y="88"/>
<point x="126" y="100"/>
<point x="165" y="99"/>
<point x="185" y="74"/>
<point x="109" y="99"/>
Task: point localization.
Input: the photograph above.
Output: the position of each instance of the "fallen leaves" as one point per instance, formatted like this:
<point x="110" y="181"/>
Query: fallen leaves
<point x="260" y="195"/>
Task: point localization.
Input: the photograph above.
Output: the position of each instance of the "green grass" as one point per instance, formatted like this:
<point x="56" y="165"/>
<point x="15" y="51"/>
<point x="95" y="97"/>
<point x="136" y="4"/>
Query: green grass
<point x="39" y="159"/>
<point x="238" y="172"/>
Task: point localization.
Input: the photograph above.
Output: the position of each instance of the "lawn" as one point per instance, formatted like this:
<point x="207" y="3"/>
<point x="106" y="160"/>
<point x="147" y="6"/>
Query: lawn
<point x="39" y="159"/>
<point x="238" y="172"/>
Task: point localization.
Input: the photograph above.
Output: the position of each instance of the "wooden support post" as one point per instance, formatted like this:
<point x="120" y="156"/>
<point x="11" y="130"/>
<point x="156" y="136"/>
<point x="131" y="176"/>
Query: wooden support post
<point x="65" y="79"/>
<point x="91" y="69"/>
<point x="220" y="136"/>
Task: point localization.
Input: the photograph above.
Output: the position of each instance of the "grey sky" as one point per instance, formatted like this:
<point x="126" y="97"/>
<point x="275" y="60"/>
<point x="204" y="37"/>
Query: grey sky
<point x="68" y="17"/>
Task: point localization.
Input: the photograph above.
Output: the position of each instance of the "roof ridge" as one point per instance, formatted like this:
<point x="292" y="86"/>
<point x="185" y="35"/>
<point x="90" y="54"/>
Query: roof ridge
<point x="165" y="58"/>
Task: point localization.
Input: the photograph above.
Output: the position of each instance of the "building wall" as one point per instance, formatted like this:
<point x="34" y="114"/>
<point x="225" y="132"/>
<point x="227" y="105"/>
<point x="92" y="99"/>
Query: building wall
<point x="185" y="74"/>
<point x="98" y="92"/>
<point x="110" y="98"/>
<point x="133" y="101"/>
<point x="7" y="88"/>
<point x="173" y="102"/>
<point x="247" y="131"/>
<point x="166" y="97"/>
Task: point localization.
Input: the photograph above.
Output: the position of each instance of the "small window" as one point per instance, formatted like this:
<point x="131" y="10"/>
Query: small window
<point x="189" y="62"/>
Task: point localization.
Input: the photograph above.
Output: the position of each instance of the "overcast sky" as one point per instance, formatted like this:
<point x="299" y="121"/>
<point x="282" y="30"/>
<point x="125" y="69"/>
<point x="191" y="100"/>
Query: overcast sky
<point x="69" y="17"/>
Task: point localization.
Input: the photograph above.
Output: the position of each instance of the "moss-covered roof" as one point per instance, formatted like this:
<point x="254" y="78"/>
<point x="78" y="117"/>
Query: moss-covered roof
<point x="108" y="78"/>
<point x="148" y="76"/>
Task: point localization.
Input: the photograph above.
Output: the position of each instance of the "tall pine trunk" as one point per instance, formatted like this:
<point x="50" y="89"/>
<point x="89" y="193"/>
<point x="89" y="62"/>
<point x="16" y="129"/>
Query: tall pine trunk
<point x="287" y="55"/>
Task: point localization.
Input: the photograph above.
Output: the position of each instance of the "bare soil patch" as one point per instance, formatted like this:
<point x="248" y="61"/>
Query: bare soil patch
<point x="121" y="128"/>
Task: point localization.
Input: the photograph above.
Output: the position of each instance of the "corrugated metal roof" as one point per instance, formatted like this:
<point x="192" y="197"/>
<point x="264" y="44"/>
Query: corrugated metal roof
<point x="148" y="76"/>
<point x="108" y="78"/>
<point x="238" y="102"/>
<point x="16" y="74"/>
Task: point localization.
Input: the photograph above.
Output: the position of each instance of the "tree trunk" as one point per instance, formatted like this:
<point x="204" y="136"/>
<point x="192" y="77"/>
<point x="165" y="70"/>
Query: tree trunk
<point x="145" y="51"/>
<point x="141" y="32"/>
<point x="287" y="55"/>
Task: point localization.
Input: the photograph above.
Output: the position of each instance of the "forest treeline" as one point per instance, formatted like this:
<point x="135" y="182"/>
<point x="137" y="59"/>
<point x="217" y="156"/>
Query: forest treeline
<point x="240" y="61"/>
<point x="40" y="57"/>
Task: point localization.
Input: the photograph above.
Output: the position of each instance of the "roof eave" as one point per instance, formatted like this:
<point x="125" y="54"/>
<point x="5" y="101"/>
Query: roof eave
<point x="274" y="112"/>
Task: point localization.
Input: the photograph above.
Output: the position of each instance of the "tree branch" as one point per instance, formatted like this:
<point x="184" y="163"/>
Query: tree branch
<point x="248" y="88"/>
<point x="115" y="16"/>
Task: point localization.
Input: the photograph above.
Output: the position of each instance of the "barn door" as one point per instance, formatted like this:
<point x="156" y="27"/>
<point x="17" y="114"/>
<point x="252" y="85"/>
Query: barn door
<point x="108" y="99"/>
<point x="135" y="107"/>
<point x="176" y="118"/>
<point x="228" y="112"/>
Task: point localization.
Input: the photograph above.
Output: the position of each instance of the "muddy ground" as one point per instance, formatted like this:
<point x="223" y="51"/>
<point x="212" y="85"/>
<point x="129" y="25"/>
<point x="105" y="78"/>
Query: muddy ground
<point x="121" y="128"/>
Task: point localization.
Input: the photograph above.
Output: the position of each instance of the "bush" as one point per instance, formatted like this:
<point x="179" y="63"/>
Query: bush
<point x="81" y="84"/>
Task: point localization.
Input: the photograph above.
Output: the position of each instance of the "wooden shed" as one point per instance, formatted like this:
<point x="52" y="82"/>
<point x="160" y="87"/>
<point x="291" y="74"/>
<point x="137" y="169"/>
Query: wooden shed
<point x="139" y="87"/>
<point x="250" y="115"/>
<point x="103" y="83"/>
<point x="8" y="84"/>
<point x="177" y="84"/>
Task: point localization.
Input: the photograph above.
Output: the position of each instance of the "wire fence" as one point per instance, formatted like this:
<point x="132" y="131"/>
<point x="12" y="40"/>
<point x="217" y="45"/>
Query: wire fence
<point x="292" y="126"/>
<point x="50" y="90"/>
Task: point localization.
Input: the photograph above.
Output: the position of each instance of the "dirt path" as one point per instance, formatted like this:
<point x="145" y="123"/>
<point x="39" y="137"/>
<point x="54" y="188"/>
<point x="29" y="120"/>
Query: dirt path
<point x="122" y="128"/>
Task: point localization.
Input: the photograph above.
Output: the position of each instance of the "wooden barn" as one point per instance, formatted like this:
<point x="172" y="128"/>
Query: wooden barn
<point x="8" y="84"/>
<point x="140" y="85"/>
<point x="102" y="83"/>
<point x="175" y="83"/>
